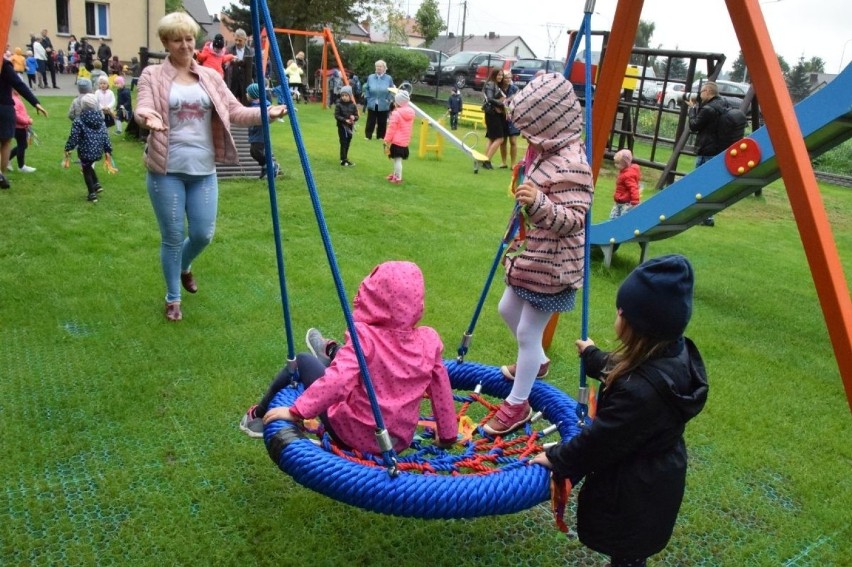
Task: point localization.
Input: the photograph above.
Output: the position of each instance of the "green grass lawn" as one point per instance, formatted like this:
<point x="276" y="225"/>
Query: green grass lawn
<point x="119" y="430"/>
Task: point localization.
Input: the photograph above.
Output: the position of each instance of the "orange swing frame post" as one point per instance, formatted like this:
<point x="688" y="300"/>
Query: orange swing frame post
<point x="328" y="39"/>
<point x="793" y="159"/>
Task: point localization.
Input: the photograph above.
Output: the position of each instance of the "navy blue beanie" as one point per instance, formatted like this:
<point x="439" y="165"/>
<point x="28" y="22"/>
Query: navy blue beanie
<point x="656" y="298"/>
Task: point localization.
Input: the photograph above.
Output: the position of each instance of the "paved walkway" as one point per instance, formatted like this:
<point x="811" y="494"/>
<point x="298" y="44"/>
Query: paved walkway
<point x="66" y="83"/>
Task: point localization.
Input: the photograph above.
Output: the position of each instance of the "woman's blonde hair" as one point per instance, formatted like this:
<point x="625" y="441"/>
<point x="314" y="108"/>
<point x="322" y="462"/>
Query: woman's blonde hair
<point x="175" y="25"/>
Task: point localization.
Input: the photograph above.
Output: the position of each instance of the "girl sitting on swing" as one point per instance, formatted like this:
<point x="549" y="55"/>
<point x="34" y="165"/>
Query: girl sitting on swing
<point x="405" y="362"/>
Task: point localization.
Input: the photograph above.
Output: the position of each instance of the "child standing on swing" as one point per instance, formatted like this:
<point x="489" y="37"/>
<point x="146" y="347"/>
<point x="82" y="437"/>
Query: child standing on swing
<point x="405" y="362"/>
<point x="544" y="272"/>
<point x="633" y="455"/>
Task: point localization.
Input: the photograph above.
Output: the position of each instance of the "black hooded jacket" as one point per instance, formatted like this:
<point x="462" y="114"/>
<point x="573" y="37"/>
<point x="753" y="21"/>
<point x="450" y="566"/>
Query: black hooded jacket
<point x="633" y="456"/>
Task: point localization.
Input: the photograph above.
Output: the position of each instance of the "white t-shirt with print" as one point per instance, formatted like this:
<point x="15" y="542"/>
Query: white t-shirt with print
<point x="190" y="131"/>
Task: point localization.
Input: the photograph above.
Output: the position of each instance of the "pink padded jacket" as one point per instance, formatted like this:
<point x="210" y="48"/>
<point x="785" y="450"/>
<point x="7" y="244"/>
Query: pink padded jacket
<point x="153" y="99"/>
<point x="404" y="360"/>
<point x="400" y="124"/>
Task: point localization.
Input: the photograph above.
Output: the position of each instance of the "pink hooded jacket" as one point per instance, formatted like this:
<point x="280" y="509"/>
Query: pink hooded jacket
<point x="549" y="116"/>
<point x="399" y="127"/>
<point x="405" y="362"/>
<point x="153" y="99"/>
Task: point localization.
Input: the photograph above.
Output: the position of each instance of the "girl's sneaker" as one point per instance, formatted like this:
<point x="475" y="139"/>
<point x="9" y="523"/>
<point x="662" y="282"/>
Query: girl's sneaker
<point x="396" y="181"/>
<point x="27" y="169"/>
<point x="508" y="418"/>
<point x="391" y="177"/>
<point x="93" y="197"/>
<point x="251" y="425"/>
<point x="321" y="347"/>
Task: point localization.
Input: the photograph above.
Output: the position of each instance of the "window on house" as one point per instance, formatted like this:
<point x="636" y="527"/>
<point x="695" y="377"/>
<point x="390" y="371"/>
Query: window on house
<point x="62" y="25"/>
<point x="97" y="19"/>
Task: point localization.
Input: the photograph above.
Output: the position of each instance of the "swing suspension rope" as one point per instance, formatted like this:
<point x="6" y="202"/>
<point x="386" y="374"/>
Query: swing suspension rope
<point x="516" y="222"/>
<point x="258" y="8"/>
<point x="438" y="484"/>
<point x="586" y="32"/>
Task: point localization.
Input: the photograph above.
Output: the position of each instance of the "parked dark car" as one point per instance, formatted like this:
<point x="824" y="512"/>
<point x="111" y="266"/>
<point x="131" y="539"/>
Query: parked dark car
<point x="524" y="70"/>
<point x="484" y="71"/>
<point x="460" y="69"/>
<point x="433" y="55"/>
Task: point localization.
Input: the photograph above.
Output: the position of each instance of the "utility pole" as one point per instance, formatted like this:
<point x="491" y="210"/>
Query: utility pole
<point x="464" y="19"/>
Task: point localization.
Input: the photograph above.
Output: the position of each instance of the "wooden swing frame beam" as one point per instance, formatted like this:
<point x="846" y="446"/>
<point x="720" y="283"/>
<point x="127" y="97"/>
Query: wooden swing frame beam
<point x="328" y="39"/>
<point x="793" y="159"/>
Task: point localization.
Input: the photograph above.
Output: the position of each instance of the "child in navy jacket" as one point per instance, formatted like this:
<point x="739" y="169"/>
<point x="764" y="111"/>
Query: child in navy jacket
<point x="345" y="114"/>
<point x="257" y="148"/>
<point x="454" y="107"/>
<point x="89" y="135"/>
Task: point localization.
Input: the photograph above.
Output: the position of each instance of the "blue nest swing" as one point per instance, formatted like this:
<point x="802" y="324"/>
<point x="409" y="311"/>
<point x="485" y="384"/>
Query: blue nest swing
<point x="512" y="487"/>
<point x="424" y="482"/>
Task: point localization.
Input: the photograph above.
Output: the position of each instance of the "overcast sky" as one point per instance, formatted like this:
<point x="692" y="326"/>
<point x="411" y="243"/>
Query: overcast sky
<point x="809" y="28"/>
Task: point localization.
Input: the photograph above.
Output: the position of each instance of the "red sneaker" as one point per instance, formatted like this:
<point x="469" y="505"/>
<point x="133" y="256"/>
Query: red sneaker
<point x="509" y="371"/>
<point x="508" y="418"/>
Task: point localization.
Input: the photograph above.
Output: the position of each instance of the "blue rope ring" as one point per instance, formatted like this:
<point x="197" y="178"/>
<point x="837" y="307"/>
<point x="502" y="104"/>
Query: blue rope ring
<point x="417" y="495"/>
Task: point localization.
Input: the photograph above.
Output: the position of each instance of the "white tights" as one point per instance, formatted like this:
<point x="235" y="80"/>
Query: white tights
<point x="397" y="167"/>
<point x="527" y="324"/>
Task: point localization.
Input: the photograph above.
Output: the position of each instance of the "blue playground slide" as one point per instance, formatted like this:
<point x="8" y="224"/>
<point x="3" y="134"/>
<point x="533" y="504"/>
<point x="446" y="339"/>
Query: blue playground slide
<point x="825" y="119"/>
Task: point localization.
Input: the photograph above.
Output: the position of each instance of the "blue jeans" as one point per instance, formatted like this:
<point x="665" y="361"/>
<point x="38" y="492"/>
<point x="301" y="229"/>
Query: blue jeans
<point x="175" y="196"/>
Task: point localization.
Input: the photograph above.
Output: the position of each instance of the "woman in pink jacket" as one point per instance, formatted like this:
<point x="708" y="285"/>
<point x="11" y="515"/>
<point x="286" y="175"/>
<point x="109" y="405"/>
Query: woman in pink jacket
<point x="405" y="361"/>
<point x="188" y="110"/>
<point x="398" y="134"/>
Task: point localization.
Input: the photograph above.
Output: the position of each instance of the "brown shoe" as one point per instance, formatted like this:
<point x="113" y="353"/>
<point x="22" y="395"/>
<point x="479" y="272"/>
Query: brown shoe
<point x="509" y="371"/>
<point x="173" y="311"/>
<point x="188" y="282"/>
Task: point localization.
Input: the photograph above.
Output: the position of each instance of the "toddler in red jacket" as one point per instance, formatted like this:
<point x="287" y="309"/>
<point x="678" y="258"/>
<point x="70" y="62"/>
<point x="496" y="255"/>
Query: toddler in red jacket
<point x="627" y="191"/>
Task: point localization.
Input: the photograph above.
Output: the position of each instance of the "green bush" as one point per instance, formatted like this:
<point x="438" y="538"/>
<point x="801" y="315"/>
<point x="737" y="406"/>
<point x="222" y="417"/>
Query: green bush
<point x="360" y="58"/>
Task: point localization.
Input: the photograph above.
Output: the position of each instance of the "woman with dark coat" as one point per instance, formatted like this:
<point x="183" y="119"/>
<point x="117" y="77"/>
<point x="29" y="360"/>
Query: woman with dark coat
<point x="9" y="80"/>
<point x="496" y="126"/>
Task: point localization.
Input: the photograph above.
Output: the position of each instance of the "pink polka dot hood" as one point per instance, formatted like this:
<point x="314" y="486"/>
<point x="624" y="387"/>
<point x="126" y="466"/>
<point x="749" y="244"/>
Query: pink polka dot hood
<point x="405" y="362"/>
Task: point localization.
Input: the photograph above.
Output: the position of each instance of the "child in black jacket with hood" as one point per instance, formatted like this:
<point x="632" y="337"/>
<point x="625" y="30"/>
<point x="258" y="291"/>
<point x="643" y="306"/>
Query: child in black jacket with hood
<point x="89" y="135"/>
<point x="633" y="456"/>
<point x="345" y="114"/>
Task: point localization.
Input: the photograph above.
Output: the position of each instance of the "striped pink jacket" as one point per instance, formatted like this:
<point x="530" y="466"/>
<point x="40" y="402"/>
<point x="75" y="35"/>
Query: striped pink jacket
<point x="549" y="116"/>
